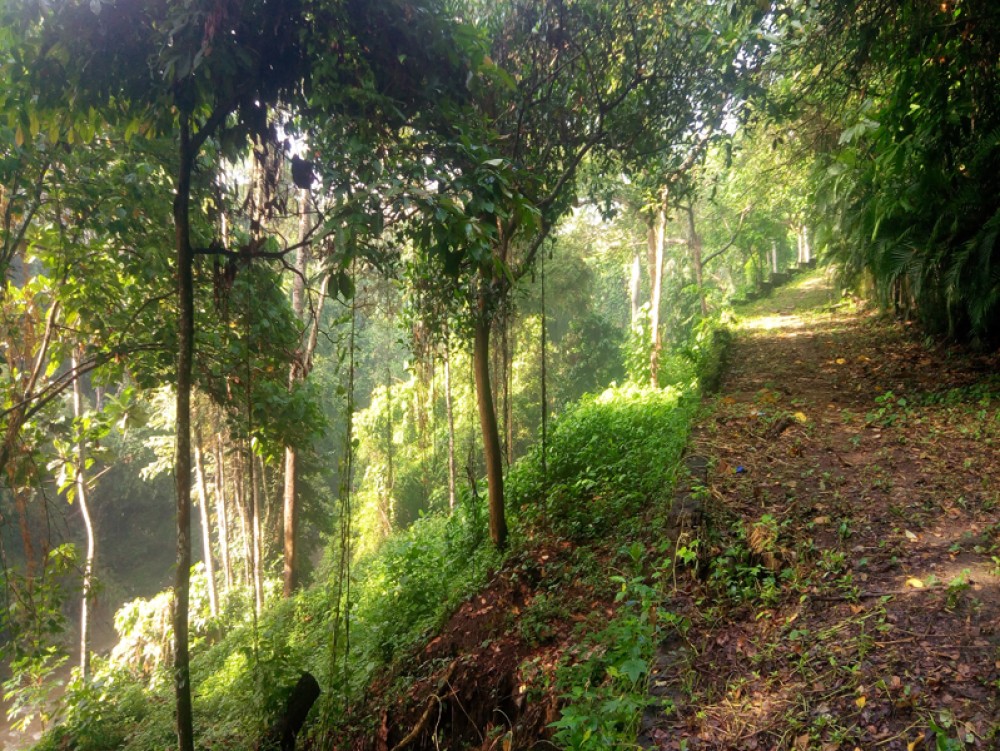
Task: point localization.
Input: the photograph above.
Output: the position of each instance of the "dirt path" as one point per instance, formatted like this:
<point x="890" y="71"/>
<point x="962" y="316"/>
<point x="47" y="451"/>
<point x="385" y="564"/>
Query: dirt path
<point x="848" y="596"/>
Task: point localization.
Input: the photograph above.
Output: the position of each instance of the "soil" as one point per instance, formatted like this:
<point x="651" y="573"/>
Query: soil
<point x="855" y="464"/>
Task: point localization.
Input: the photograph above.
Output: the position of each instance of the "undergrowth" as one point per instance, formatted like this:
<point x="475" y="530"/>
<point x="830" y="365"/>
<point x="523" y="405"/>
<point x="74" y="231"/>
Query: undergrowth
<point x="609" y="458"/>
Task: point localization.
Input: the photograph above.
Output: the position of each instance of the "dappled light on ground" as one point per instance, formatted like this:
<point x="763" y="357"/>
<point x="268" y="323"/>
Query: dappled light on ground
<point x="850" y="590"/>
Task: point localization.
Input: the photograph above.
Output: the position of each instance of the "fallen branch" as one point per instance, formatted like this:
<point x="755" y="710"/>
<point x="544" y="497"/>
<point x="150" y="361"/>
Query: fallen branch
<point x="421" y="725"/>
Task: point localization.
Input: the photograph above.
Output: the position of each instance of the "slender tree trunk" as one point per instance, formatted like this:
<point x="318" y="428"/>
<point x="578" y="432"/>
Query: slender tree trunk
<point x="182" y="460"/>
<point x="296" y="372"/>
<point x="806" y="248"/>
<point x="655" y="242"/>
<point x="255" y="535"/>
<point x="509" y="346"/>
<point x="88" y="525"/>
<point x="257" y="538"/>
<point x="27" y="542"/>
<point x="699" y="269"/>
<point x="16" y="417"/>
<point x="488" y="424"/>
<point x="450" y="410"/>
<point x="633" y="287"/>
<point x="206" y="527"/>
<point x="801" y="247"/>
<point x="774" y="257"/>
<point x="502" y="375"/>
<point x="390" y="479"/>
<point x="243" y="502"/>
<point x="221" y="515"/>
<point x="544" y="355"/>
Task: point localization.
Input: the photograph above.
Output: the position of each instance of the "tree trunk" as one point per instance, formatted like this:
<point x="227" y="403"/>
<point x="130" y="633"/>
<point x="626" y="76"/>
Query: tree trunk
<point x="182" y="459"/>
<point x="806" y="248"/>
<point x="24" y="525"/>
<point x="243" y="501"/>
<point x="296" y="372"/>
<point x="488" y="424"/>
<point x="774" y="257"/>
<point x="206" y="527"/>
<point x="655" y="242"/>
<point x="509" y="346"/>
<point x="449" y="409"/>
<point x="387" y="510"/>
<point x="699" y="268"/>
<point x="256" y="538"/>
<point x="88" y="563"/>
<point x="633" y="288"/>
<point x="544" y="374"/>
<point x="221" y="515"/>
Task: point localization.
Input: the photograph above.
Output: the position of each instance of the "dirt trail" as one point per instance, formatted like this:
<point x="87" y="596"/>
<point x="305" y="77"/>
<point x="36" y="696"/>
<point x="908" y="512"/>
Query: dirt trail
<point x="848" y="596"/>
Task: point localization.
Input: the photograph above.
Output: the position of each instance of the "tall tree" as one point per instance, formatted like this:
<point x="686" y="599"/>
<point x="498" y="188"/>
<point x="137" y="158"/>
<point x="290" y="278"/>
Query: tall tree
<point x="570" y="81"/>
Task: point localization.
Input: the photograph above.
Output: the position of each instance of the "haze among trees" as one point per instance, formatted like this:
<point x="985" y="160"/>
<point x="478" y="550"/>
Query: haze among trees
<point x="302" y="300"/>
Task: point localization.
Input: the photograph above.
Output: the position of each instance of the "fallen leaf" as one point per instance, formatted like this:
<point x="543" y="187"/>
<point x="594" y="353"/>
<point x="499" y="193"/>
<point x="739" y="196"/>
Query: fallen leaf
<point x="841" y="361"/>
<point x="913" y="744"/>
<point x="910" y="536"/>
<point x="860" y="701"/>
<point x="915" y="583"/>
<point x="800" y="417"/>
<point x="821" y="520"/>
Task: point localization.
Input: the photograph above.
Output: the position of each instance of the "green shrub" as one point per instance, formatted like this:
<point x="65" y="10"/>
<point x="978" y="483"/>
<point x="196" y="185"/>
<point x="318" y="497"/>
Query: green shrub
<point x="608" y="455"/>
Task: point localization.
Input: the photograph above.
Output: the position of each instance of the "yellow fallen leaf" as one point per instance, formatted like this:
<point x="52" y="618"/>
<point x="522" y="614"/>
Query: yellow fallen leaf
<point x="800" y="418"/>
<point x="860" y="701"/>
<point x="913" y="744"/>
<point x="915" y="583"/>
<point x="841" y="361"/>
<point x="911" y="536"/>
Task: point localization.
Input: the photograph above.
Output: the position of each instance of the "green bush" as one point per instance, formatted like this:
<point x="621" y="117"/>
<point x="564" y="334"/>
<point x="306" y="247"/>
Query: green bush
<point x="608" y="455"/>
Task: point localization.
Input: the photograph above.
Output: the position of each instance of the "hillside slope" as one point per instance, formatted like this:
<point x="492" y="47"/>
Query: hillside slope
<point x="824" y="576"/>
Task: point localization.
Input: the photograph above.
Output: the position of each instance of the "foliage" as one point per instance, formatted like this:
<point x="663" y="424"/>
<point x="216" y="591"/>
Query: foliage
<point x="910" y="186"/>
<point x="33" y="614"/>
<point x="605" y="679"/>
<point x="607" y="456"/>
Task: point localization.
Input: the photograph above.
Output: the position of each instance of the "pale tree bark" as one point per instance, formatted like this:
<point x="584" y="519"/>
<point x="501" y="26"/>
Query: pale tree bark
<point x="655" y="242"/>
<point x="386" y="509"/>
<point x="206" y="526"/>
<point x="509" y="346"/>
<point x="774" y="257"/>
<point x="88" y="526"/>
<point x="806" y="248"/>
<point x="243" y="501"/>
<point x="15" y="417"/>
<point x="256" y="572"/>
<point x="222" y="516"/>
<point x="635" y="280"/>
<point x="450" y="411"/>
<point x="289" y="505"/>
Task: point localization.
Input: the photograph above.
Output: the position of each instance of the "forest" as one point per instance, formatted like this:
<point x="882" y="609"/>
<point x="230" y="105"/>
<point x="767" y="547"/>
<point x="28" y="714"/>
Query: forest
<point x="361" y="368"/>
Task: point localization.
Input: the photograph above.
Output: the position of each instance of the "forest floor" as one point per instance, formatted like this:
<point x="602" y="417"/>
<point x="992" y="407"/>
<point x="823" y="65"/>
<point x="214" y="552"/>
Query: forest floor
<point x="848" y="595"/>
<point x="836" y="586"/>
